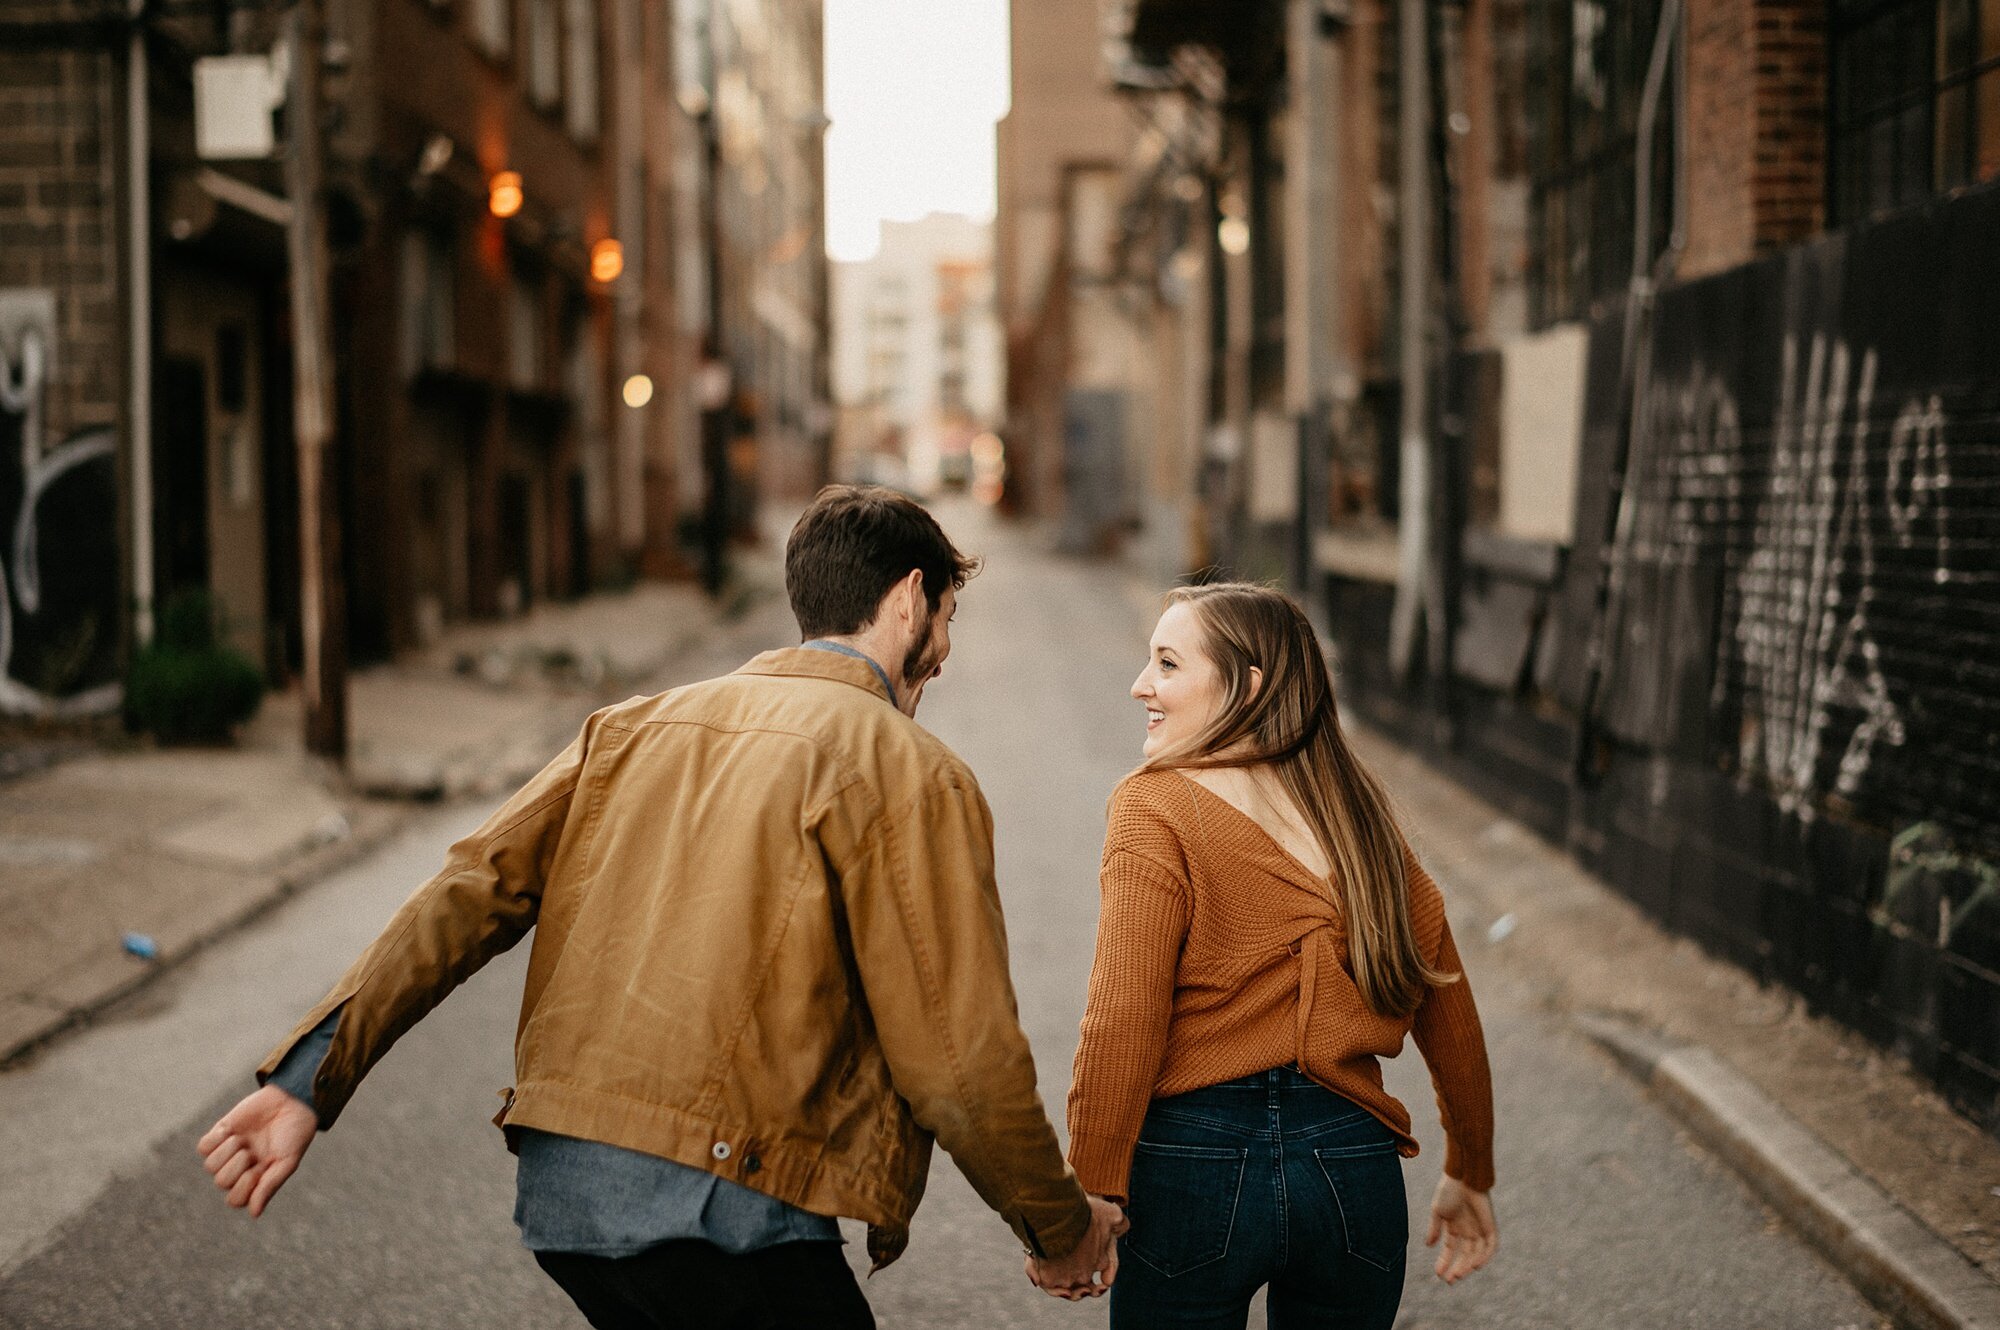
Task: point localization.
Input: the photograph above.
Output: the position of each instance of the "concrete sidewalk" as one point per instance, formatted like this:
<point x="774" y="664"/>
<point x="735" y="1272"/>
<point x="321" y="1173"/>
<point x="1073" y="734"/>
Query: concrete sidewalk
<point x="1847" y="1146"/>
<point x="168" y="848"/>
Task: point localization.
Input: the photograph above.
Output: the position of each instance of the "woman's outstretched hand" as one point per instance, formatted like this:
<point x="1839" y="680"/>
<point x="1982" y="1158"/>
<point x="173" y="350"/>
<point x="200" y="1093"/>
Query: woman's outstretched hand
<point x="1464" y="1219"/>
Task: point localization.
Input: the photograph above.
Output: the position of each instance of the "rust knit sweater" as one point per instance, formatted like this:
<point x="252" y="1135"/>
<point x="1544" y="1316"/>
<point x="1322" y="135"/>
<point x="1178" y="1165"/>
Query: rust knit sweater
<point x="1219" y="955"/>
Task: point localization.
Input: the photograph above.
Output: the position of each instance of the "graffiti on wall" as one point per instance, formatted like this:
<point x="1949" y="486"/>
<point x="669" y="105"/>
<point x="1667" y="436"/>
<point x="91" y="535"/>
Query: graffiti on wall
<point x="58" y="539"/>
<point x="1798" y="520"/>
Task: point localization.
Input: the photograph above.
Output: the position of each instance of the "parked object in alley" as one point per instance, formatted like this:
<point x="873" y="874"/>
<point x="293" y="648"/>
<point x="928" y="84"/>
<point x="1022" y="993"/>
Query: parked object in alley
<point x="1252" y="831"/>
<point x="824" y="847"/>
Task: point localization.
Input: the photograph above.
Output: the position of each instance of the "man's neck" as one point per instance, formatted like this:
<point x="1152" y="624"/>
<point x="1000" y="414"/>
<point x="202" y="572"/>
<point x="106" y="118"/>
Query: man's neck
<point x="869" y="646"/>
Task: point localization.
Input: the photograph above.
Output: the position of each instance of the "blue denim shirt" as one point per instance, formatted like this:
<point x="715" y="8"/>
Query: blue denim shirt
<point x="585" y="1196"/>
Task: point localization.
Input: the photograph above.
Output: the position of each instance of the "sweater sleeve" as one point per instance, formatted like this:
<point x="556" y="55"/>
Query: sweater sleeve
<point x="1448" y="1034"/>
<point x="1140" y="930"/>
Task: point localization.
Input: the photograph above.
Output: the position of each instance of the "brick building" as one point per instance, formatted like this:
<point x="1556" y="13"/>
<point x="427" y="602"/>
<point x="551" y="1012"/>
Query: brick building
<point x="1619" y="381"/>
<point x="514" y="192"/>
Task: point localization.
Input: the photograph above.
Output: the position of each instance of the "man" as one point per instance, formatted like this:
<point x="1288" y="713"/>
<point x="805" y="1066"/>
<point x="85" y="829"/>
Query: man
<point x="769" y="968"/>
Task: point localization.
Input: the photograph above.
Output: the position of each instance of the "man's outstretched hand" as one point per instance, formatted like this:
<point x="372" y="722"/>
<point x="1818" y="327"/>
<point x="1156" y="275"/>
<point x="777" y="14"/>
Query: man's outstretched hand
<point x="1075" y="1276"/>
<point x="257" y="1145"/>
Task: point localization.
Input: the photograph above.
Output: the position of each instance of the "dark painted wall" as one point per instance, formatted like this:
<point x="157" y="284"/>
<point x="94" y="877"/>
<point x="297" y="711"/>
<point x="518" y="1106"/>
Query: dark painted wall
<point x="1800" y="709"/>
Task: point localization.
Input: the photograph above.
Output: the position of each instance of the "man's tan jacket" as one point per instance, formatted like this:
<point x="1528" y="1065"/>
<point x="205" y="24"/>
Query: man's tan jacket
<point x="767" y="944"/>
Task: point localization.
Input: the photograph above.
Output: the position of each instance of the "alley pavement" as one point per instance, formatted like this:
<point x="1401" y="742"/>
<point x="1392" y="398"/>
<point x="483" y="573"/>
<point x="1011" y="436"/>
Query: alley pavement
<point x="1611" y="1214"/>
<point x="117" y="863"/>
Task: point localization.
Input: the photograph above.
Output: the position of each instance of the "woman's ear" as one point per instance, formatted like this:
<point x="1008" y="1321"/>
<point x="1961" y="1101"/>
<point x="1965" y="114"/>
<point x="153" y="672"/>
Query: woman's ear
<point x="1256" y="680"/>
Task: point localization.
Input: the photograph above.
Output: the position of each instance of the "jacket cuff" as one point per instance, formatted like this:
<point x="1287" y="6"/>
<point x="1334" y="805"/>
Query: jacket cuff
<point x="1103" y="1164"/>
<point x="1052" y="1235"/>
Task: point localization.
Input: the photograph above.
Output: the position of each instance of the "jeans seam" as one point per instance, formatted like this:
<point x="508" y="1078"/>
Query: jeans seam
<point x="1277" y="1125"/>
<point x="1186" y="1118"/>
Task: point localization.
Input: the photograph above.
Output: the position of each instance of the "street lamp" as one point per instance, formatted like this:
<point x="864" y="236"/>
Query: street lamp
<point x="607" y="260"/>
<point x="503" y="194"/>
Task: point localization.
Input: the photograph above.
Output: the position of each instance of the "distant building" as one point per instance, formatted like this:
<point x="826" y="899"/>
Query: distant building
<point x="1634" y="447"/>
<point x="917" y="369"/>
<point x="526" y="222"/>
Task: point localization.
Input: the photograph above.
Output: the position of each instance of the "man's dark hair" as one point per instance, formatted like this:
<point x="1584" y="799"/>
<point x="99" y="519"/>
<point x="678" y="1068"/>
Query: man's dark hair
<point x="852" y="545"/>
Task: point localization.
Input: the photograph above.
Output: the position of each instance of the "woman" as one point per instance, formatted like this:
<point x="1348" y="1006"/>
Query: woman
<point x="1266" y="936"/>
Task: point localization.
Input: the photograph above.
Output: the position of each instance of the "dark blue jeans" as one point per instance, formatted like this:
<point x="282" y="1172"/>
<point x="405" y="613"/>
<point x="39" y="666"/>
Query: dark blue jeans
<point x="1271" y="1179"/>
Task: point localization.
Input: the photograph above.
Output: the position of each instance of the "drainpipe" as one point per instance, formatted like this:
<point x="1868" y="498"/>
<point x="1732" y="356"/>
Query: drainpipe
<point x="1633" y="360"/>
<point x="1413" y="222"/>
<point x="139" y="318"/>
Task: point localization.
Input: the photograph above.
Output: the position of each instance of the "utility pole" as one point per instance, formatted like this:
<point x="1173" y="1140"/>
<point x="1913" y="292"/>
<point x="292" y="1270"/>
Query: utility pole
<point x="1413" y="222"/>
<point x="322" y="609"/>
<point x="1312" y="266"/>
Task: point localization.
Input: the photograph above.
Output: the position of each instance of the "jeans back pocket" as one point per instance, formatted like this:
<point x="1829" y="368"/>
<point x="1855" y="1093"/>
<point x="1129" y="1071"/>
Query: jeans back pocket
<point x="1367" y="1185"/>
<point x="1183" y="1204"/>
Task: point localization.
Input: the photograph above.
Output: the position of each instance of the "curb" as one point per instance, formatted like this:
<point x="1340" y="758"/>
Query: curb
<point x="308" y="868"/>
<point x="1898" y="1264"/>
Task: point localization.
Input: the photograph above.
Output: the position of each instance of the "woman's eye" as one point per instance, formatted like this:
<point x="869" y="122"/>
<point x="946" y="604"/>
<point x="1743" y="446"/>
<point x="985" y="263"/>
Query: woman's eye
<point x="1166" y="664"/>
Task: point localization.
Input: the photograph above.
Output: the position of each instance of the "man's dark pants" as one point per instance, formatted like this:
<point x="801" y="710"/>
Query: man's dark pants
<point x="693" y="1285"/>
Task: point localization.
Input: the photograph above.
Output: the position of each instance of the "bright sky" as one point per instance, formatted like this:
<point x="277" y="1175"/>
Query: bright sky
<point x="913" y="88"/>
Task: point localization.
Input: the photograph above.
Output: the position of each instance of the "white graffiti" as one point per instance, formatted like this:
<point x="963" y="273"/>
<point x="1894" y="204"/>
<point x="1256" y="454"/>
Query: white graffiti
<point x="1800" y="601"/>
<point x="1919" y="479"/>
<point x="24" y="365"/>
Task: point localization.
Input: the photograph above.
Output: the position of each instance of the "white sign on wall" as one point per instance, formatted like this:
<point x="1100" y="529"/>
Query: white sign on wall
<point x="234" y="98"/>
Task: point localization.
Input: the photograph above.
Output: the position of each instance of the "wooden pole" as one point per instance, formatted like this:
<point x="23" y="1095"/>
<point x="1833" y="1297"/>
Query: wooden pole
<point x="323" y="678"/>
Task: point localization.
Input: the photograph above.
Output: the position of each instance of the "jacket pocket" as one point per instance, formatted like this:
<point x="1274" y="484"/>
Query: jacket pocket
<point x="1183" y="1204"/>
<point x="1367" y="1186"/>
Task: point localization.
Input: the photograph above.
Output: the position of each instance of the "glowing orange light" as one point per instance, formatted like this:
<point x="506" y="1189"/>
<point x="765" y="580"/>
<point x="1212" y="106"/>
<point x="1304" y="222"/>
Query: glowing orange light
<point x="607" y="260"/>
<point x="503" y="193"/>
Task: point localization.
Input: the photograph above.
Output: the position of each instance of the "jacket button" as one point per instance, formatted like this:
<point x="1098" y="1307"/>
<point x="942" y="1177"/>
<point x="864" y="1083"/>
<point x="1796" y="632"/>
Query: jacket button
<point x="720" y="1149"/>
<point x="751" y="1163"/>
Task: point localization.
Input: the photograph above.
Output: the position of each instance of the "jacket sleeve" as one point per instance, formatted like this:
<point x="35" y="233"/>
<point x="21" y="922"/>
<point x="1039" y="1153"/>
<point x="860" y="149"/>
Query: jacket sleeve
<point x="483" y="901"/>
<point x="931" y="950"/>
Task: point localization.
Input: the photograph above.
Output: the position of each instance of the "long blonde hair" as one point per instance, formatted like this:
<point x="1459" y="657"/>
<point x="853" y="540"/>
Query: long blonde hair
<point x="1292" y="723"/>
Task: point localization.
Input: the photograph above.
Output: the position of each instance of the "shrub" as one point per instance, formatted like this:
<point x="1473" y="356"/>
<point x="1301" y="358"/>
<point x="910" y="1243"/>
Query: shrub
<point x="186" y="686"/>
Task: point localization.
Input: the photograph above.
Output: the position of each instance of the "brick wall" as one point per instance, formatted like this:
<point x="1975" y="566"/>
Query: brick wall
<point x="58" y="219"/>
<point x="1756" y="128"/>
<point x="1795" y="751"/>
<point x="1788" y="187"/>
<point x="60" y="363"/>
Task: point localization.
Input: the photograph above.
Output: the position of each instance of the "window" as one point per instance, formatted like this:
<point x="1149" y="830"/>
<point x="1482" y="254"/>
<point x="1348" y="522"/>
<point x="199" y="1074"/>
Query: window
<point x="524" y="336"/>
<point x="580" y="46"/>
<point x="544" y="54"/>
<point x="493" y="25"/>
<point x="429" y="313"/>
<point x="1587" y="70"/>
<point x="1915" y="101"/>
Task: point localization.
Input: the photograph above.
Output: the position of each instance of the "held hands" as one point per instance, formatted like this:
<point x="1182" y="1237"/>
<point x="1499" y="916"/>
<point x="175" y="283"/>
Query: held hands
<point x="1464" y="1219"/>
<point x="1074" y="1276"/>
<point x="257" y="1145"/>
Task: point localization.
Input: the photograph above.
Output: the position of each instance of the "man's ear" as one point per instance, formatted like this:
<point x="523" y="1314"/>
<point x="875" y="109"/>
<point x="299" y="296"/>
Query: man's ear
<point x="912" y="602"/>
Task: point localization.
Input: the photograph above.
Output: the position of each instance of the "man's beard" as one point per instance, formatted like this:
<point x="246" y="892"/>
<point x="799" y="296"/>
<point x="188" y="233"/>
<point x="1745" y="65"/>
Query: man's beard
<point x="920" y="662"/>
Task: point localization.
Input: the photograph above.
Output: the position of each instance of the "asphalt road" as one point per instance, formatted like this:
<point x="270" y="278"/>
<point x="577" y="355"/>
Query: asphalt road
<point x="401" y="1216"/>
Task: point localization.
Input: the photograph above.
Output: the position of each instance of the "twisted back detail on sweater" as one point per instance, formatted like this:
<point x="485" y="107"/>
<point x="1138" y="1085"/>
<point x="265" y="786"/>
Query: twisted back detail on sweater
<point x="1220" y="955"/>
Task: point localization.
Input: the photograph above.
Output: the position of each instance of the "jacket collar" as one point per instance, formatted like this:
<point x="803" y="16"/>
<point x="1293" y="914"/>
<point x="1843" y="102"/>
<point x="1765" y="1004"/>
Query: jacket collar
<point x="802" y="663"/>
